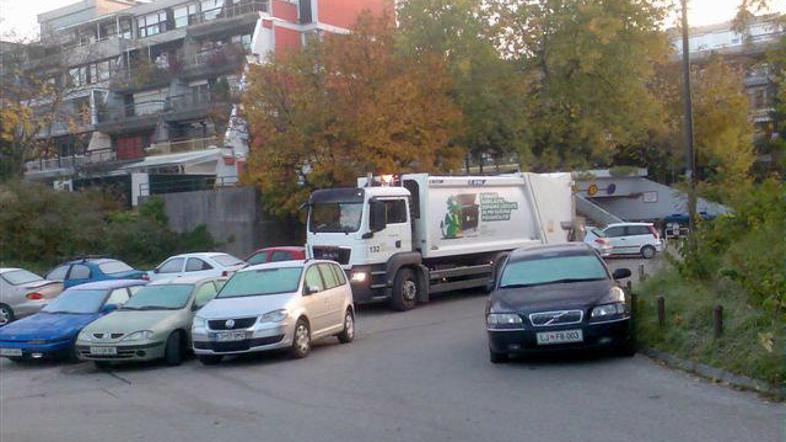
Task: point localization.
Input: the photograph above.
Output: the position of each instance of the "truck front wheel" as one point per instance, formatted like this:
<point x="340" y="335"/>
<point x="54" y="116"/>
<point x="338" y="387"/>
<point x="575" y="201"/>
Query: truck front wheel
<point x="405" y="290"/>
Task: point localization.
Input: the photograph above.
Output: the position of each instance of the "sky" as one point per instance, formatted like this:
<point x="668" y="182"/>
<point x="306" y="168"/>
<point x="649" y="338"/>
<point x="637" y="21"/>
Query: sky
<point x="19" y="16"/>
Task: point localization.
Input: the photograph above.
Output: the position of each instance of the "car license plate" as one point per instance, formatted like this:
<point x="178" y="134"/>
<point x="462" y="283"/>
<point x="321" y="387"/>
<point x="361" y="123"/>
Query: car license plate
<point x="11" y="352"/>
<point x="230" y="336"/>
<point x="560" y="337"/>
<point x="103" y="351"/>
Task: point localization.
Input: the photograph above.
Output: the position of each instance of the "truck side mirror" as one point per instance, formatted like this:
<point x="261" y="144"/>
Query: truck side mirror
<point x="378" y="215"/>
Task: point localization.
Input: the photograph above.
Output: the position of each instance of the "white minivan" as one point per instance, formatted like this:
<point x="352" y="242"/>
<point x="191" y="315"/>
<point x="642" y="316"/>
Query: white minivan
<point x="634" y="239"/>
<point x="278" y="305"/>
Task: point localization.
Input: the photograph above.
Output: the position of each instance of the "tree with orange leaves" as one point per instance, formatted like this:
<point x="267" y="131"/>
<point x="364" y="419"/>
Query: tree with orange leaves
<point x="344" y="106"/>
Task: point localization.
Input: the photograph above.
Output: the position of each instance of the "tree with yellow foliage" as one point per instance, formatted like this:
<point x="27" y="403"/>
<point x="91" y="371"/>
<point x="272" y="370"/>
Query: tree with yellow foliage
<point x="344" y="106"/>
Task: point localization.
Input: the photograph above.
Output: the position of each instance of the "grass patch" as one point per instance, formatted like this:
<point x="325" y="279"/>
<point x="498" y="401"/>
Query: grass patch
<point x="753" y="341"/>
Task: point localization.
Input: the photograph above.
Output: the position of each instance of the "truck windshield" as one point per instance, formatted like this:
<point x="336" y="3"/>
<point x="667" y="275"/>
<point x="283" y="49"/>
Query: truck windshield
<point x="335" y="217"/>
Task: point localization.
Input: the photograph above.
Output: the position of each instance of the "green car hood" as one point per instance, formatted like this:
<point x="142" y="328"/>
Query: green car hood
<point x="129" y="321"/>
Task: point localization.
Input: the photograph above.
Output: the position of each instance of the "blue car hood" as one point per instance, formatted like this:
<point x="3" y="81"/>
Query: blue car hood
<point x="46" y="327"/>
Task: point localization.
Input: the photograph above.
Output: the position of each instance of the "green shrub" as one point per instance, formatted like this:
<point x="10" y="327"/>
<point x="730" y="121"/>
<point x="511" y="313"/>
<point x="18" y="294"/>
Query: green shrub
<point x="42" y="227"/>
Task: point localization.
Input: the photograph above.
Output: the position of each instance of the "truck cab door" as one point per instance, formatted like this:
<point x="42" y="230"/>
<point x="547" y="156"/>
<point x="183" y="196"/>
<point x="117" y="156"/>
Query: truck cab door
<point x="396" y="237"/>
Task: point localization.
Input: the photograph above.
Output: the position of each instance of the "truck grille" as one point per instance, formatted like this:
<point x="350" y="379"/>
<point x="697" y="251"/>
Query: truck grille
<point x="560" y="317"/>
<point x="338" y="254"/>
<point x="231" y="324"/>
<point x="226" y="347"/>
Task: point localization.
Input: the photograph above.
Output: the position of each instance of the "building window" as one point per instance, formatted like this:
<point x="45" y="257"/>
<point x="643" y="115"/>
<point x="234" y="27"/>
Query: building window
<point x="211" y="8"/>
<point x="151" y="24"/>
<point x="107" y="30"/>
<point x="125" y="28"/>
<point x="185" y="15"/>
<point x="243" y="40"/>
<point x="77" y="77"/>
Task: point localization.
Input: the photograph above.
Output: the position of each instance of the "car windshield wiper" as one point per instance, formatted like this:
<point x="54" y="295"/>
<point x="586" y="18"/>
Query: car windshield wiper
<point x="567" y="280"/>
<point x="151" y="307"/>
<point x="515" y="286"/>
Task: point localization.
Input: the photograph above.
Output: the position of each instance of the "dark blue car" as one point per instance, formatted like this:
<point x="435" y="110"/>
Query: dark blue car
<point x="87" y="270"/>
<point x="51" y="333"/>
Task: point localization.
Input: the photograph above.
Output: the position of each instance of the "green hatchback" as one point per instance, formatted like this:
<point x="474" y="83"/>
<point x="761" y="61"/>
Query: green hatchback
<point x="154" y="324"/>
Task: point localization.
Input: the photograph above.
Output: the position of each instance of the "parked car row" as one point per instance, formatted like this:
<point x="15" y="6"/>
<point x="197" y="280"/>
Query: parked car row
<point x="269" y="306"/>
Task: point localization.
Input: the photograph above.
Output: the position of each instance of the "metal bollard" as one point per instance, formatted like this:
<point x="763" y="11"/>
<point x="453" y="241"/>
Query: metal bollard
<point x="633" y="306"/>
<point x="661" y="310"/>
<point x="629" y="286"/>
<point x="717" y="320"/>
<point x="642" y="275"/>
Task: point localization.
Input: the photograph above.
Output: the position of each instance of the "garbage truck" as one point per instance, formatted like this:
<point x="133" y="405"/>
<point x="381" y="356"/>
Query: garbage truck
<point x="402" y="238"/>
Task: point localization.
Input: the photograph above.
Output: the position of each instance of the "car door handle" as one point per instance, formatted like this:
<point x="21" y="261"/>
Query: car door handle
<point x="398" y="244"/>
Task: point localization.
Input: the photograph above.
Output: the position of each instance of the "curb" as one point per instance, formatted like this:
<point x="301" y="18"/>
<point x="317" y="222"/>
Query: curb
<point x="716" y="374"/>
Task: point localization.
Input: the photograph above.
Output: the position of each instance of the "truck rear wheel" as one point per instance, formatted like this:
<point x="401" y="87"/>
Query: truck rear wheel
<point x="405" y="290"/>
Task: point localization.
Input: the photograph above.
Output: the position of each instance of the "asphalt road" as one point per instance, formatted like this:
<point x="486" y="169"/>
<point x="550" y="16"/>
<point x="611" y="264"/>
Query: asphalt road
<point x="423" y="375"/>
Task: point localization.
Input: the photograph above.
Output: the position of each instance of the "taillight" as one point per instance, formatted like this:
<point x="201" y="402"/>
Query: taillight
<point x="654" y="232"/>
<point x="35" y="296"/>
<point x="601" y="241"/>
<point x="146" y="277"/>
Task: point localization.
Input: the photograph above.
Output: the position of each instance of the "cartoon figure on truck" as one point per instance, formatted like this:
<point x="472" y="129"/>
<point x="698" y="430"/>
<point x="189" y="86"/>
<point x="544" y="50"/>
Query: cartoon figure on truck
<point x="422" y="234"/>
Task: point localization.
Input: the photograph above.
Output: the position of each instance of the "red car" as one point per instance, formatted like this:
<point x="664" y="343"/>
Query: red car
<point x="275" y="254"/>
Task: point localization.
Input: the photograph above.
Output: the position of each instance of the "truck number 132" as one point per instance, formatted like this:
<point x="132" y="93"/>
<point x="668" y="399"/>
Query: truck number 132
<point x="374" y="249"/>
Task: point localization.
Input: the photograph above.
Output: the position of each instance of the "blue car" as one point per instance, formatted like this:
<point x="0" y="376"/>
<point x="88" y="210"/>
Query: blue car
<point x="51" y="333"/>
<point x="87" y="270"/>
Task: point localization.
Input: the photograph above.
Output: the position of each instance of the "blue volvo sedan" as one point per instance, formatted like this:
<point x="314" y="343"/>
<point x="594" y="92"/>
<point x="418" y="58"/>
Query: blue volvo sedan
<point x="51" y="333"/>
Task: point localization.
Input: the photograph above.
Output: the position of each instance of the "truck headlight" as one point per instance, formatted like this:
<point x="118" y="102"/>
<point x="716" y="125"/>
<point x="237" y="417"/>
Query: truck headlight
<point x="359" y="277"/>
<point x="608" y="311"/>
<point x="141" y="335"/>
<point x="274" y="316"/>
<point x="503" y="321"/>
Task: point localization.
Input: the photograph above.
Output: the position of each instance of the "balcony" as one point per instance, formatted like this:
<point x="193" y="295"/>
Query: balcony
<point x="214" y="62"/>
<point x="145" y="75"/>
<point x="130" y="117"/>
<point x="170" y="147"/>
<point x="68" y="165"/>
<point x="228" y="18"/>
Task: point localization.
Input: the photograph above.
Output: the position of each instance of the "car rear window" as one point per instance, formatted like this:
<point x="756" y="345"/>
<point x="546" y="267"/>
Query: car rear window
<point x="262" y="282"/>
<point x="259" y="258"/>
<point x="597" y="232"/>
<point x="227" y="260"/>
<point x="19" y="277"/>
<point x="112" y="267"/>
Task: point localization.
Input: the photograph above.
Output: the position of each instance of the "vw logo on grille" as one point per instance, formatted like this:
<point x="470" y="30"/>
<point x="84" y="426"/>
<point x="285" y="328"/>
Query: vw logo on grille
<point x="230" y="323"/>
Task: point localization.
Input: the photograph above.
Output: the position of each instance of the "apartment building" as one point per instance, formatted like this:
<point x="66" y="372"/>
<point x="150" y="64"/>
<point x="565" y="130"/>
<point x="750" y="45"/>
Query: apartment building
<point x="154" y="84"/>
<point x="748" y="49"/>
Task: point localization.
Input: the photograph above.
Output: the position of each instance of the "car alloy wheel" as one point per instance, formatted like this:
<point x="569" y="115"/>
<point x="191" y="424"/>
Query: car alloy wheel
<point x="301" y="344"/>
<point x="348" y="334"/>
<point x="6" y="315"/>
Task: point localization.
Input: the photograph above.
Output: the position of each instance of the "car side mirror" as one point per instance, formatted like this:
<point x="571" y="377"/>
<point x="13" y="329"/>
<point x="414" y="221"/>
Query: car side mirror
<point x="621" y="274"/>
<point x="310" y="290"/>
<point x="109" y="308"/>
<point x="377" y="216"/>
<point x="195" y="307"/>
<point x="156" y="270"/>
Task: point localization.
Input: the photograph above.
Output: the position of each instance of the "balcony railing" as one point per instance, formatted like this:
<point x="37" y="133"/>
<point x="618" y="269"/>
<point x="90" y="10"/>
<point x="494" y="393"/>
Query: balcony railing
<point x="71" y="162"/>
<point x="130" y="111"/>
<point x="231" y="11"/>
<point x="193" y="145"/>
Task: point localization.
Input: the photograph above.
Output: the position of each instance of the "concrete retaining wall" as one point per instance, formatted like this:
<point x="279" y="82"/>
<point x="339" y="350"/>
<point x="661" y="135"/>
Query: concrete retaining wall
<point x="235" y="218"/>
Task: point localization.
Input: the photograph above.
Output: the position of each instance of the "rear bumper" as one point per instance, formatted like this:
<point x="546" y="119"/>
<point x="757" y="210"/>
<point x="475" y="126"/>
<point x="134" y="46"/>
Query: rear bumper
<point x="139" y="353"/>
<point x="601" y="335"/>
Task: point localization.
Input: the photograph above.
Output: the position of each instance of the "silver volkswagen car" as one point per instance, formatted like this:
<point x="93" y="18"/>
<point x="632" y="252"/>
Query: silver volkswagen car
<point x="282" y="305"/>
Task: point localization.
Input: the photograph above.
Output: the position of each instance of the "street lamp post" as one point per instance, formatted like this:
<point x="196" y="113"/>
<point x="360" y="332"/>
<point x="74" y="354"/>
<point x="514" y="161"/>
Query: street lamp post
<point x="690" y="156"/>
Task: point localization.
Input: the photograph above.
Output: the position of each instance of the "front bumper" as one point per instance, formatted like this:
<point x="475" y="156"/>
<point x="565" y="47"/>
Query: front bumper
<point x="48" y="350"/>
<point x="265" y="338"/>
<point x="137" y="353"/>
<point x="609" y="334"/>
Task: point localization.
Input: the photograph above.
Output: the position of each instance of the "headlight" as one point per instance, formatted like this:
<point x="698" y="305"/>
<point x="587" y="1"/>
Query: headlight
<point x="199" y="322"/>
<point x="607" y="311"/>
<point x="84" y="337"/>
<point x="274" y="316"/>
<point x="139" y="335"/>
<point x="502" y="321"/>
<point x="359" y="276"/>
